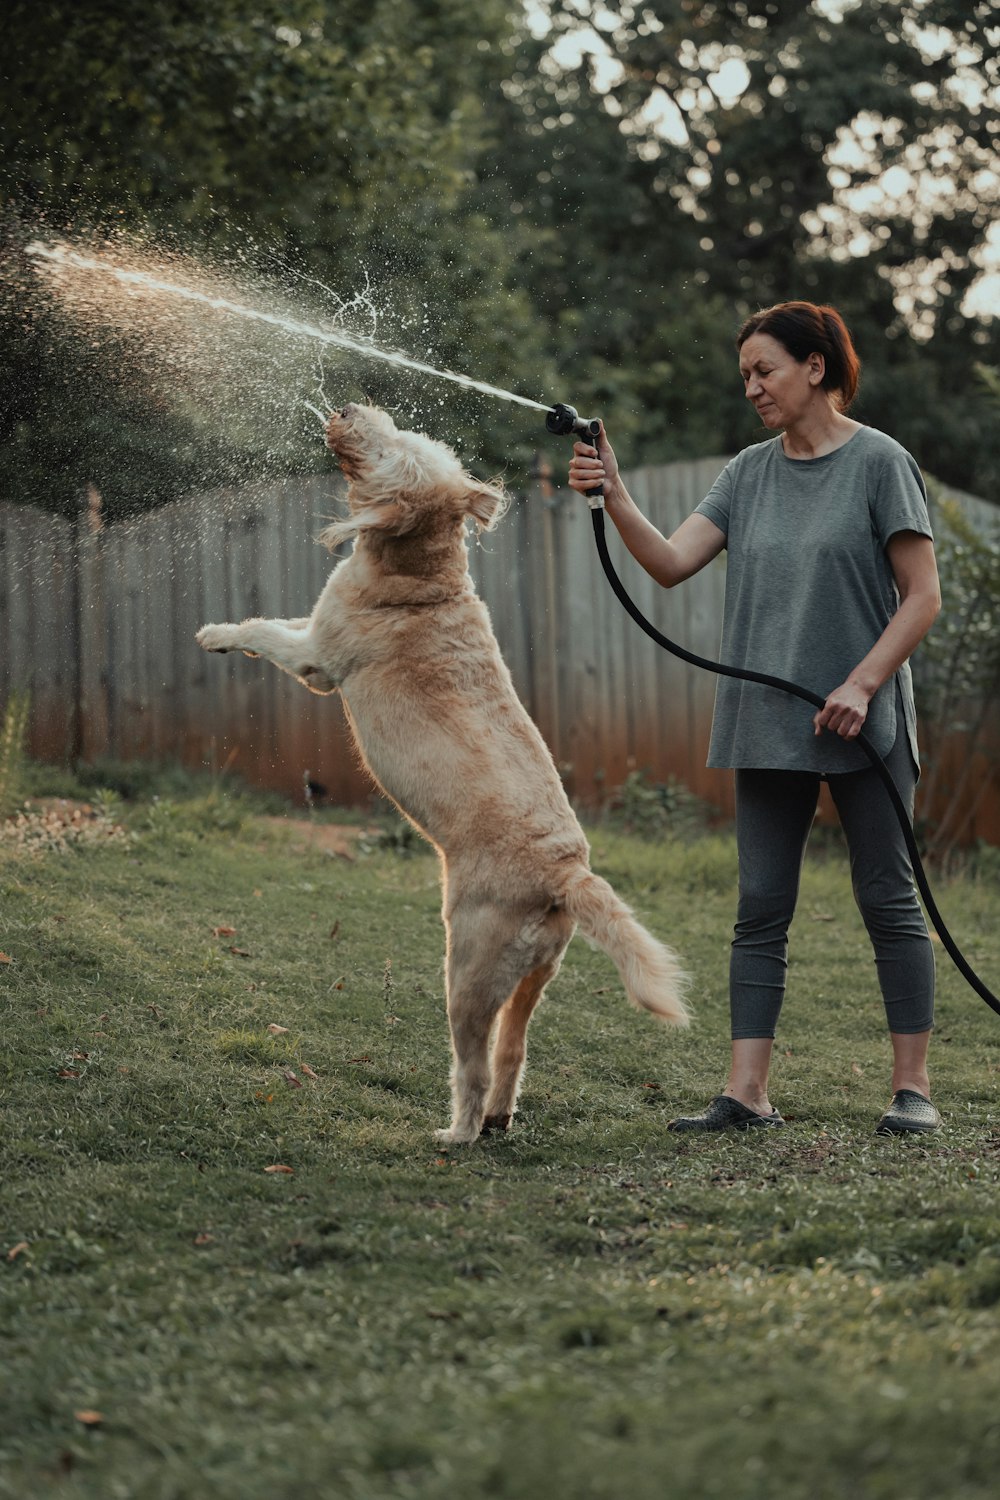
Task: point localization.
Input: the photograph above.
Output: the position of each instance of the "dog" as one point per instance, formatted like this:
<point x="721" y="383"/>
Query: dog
<point x="401" y="632"/>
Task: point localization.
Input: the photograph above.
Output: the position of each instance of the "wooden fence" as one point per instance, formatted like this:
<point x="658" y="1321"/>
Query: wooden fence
<point x="98" y="622"/>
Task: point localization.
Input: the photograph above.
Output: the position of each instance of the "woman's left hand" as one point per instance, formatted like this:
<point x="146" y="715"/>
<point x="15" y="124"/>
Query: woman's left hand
<point x="844" y="712"/>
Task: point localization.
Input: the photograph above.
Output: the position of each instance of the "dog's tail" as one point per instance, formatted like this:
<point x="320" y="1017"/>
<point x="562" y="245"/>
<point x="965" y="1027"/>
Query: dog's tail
<point x="650" y="971"/>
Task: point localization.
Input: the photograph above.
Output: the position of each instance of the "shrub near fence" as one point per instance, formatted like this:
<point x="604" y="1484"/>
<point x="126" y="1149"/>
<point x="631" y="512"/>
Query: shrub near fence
<point x="98" y="623"/>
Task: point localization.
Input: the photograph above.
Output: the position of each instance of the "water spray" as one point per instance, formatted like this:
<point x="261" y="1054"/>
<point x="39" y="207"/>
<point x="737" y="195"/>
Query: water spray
<point x="315" y="411"/>
<point x="61" y="256"/>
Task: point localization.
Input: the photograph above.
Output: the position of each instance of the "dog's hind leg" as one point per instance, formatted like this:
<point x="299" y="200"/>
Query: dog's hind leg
<point x="510" y="1047"/>
<point x="485" y="960"/>
<point x="497" y="959"/>
<point x="471" y="1021"/>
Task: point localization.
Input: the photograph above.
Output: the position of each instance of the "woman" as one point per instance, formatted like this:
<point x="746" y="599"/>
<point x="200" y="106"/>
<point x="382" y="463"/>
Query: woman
<point x="831" y="582"/>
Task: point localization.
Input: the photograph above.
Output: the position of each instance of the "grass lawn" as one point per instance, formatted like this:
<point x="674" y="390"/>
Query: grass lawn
<point x="588" y="1307"/>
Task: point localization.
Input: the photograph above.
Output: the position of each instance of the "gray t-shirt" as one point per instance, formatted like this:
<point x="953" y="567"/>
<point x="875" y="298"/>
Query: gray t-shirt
<point x="809" y="590"/>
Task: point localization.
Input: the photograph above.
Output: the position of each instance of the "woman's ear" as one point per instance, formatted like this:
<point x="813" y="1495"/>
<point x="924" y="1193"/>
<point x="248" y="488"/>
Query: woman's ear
<point x="817" y="368"/>
<point x="485" y="503"/>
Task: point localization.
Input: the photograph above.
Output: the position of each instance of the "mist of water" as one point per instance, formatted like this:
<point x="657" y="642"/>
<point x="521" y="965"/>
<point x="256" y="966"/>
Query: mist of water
<point x="230" y="361"/>
<point x="146" y="283"/>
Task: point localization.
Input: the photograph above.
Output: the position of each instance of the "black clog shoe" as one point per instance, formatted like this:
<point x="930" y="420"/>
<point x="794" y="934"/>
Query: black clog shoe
<point x="725" y="1113"/>
<point x="908" y="1114"/>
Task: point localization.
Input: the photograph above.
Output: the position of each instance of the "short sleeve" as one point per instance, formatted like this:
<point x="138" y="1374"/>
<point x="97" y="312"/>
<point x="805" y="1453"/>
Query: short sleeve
<point x="717" y="503"/>
<point x="900" y="500"/>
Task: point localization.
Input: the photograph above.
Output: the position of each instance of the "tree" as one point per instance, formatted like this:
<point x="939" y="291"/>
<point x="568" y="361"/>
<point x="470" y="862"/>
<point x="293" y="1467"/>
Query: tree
<point x="336" y="139"/>
<point x="747" y="151"/>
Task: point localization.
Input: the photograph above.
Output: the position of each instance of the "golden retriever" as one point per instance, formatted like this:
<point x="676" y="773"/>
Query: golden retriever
<point x="400" y="631"/>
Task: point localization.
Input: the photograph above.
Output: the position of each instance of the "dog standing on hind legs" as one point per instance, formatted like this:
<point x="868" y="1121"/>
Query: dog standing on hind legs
<point x="400" y="631"/>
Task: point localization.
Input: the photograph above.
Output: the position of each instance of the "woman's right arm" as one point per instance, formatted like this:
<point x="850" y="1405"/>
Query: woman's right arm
<point x="667" y="559"/>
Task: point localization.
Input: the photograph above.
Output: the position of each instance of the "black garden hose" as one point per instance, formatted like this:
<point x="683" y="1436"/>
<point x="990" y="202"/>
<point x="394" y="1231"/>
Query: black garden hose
<point x="947" y="941"/>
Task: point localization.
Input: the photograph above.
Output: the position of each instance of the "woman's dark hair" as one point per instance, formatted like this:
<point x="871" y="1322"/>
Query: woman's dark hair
<point x="803" y="328"/>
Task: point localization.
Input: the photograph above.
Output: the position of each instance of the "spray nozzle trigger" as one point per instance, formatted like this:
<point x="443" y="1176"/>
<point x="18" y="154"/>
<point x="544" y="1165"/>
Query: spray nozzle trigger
<point x="563" y="420"/>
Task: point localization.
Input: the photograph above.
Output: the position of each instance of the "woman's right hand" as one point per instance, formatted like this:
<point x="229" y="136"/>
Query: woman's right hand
<point x="592" y="466"/>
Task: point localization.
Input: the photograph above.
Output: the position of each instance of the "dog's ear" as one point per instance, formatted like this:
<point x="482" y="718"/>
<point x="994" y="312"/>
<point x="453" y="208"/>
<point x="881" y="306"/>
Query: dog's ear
<point x="395" y="517"/>
<point x="485" y="503"/>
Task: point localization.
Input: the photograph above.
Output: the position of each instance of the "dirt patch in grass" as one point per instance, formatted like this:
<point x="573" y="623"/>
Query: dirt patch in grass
<point x="340" y="839"/>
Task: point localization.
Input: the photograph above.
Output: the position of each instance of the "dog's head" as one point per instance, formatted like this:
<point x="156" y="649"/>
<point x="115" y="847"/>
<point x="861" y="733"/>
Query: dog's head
<point x="402" y="482"/>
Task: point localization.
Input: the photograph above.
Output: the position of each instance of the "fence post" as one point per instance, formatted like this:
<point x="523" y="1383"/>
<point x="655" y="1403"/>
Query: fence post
<point x="544" y="497"/>
<point x="90" y="736"/>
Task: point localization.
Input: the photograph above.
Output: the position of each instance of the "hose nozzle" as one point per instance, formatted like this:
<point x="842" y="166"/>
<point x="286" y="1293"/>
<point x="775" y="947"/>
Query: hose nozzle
<point x="563" y="421"/>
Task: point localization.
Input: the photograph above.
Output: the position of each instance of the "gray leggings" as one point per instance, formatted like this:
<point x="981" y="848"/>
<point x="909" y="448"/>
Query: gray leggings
<point x="774" y="813"/>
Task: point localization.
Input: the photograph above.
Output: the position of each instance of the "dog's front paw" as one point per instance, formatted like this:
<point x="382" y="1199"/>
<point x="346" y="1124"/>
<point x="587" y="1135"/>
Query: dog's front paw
<point x="217" y="638"/>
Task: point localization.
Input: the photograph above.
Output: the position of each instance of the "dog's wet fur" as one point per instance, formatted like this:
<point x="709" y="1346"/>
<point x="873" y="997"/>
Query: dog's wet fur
<point x="400" y="631"/>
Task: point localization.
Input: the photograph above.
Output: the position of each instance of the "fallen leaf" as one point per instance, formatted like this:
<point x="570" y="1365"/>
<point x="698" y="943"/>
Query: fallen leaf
<point x="204" y="1239"/>
<point x="279" y="1167"/>
<point x="307" y="1070"/>
<point x="335" y="929"/>
<point x="5" y="958"/>
<point x="17" y="1250"/>
<point x="290" y="1078"/>
<point x="223" y="931"/>
<point x="276" y="1030"/>
<point x="89" y="1418"/>
<point x="69" y="1073"/>
<point x="240" y="952"/>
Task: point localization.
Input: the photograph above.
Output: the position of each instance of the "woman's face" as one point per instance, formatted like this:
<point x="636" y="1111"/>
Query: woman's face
<point x="781" y="388"/>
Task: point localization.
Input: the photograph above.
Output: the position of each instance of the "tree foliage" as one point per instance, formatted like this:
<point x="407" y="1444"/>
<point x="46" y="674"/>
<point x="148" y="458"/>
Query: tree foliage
<point x="573" y="230"/>
<point x="746" y="152"/>
<point x="335" y="139"/>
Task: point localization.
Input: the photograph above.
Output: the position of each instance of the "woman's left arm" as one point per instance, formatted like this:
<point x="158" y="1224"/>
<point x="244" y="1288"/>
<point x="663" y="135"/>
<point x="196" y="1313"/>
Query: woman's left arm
<point x="914" y="567"/>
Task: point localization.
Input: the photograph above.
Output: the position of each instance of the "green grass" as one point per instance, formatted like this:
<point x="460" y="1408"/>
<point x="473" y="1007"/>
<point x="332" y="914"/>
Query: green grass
<point x="588" y="1307"/>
